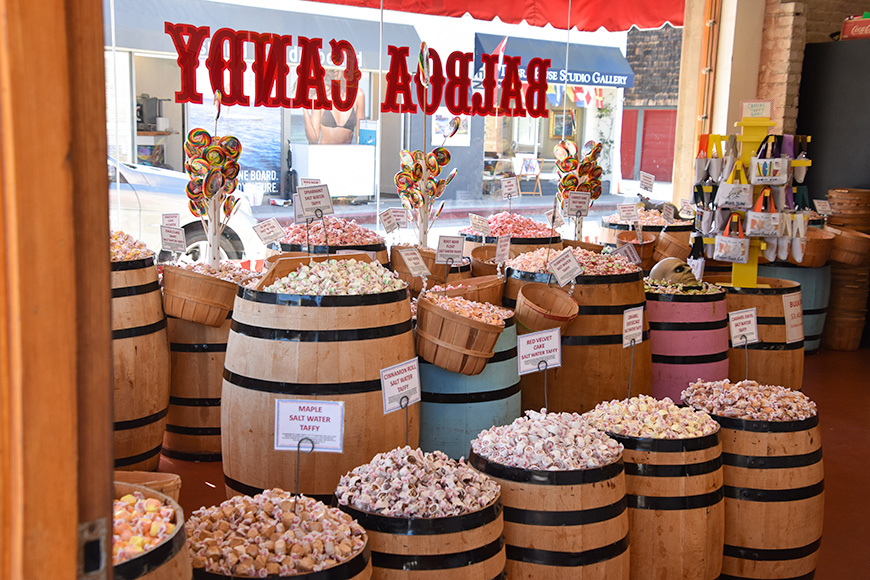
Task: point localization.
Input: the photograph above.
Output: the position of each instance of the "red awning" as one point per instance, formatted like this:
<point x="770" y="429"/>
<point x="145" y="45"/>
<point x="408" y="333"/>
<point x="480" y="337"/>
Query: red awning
<point x="585" y="14"/>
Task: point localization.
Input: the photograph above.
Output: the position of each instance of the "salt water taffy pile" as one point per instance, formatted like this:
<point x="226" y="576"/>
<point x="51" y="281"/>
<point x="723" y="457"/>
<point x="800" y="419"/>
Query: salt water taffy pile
<point x="593" y="264"/>
<point x="749" y="400"/>
<point x="227" y="271"/>
<point x="338" y="277"/>
<point x="646" y="217"/>
<point x="339" y="232"/>
<point x="645" y="416"/>
<point x="513" y="225"/>
<point x="479" y="311"/>
<point x="139" y="524"/>
<point x="409" y="483"/>
<point x="666" y="287"/>
<point x="213" y="168"/>
<point x="124" y="247"/>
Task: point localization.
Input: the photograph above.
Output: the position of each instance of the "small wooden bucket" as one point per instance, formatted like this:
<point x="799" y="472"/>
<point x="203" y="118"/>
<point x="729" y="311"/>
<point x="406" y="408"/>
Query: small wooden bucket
<point x="168" y="560"/>
<point x="843" y="332"/>
<point x="166" y="483"/>
<point x="670" y="246"/>
<point x="197" y="297"/>
<point x="850" y="247"/>
<point x="479" y="257"/>
<point x="454" y="342"/>
<point x="484" y="289"/>
<point x="541" y="307"/>
<point x="644" y="249"/>
<point x="597" y="248"/>
<point x="818" y="249"/>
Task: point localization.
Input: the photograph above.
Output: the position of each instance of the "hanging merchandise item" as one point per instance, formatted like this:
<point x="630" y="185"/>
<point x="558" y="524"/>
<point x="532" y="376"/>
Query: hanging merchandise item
<point x="800" y="170"/>
<point x="701" y="161"/>
<point x="799" y="237"/>
<point x="714" y="164"/>
<point x="732" y="245"/>
<point x="735" y="195"/>
<point x="787" y="200"/>
<point x="729" y="159"/>
<point x="768" y="166"/>
<point x="801" y="196"/>
<point x="784" y="236"/>
<point x="763" y="219"/>
<point x="696" y="258"/>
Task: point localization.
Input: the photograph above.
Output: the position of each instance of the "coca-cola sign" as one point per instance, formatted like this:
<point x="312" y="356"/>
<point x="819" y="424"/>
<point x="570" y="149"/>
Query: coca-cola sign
<point x="856" y="28"/>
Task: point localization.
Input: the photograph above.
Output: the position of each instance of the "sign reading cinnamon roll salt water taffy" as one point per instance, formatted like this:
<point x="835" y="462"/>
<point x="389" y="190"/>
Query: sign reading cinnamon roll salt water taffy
<point x="536" y="347"/>
<point x="320" y="421"/>
<point x="398" y="381"/>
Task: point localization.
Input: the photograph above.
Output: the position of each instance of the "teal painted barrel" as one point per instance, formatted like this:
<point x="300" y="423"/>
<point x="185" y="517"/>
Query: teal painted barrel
<point x="457" y="407"/>
<point x="815" y="290"/>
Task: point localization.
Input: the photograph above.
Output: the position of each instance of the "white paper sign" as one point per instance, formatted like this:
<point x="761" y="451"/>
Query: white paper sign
<point x="756" y="109"/>
<point x="632" y="326"/>
<point x="503" y="249"/>
<point x="173" y="220"/>
<point x="686" y="208"/>
<point x="298" y="216"/>
<point x="388" y="220"/>
<point x="578" y="203"/>
<point x="369" y="253"/>
<point x="794" y="317"/>
<point x="823" y="206"/>
<point x="628" y="252"/>
<point x="320" y="421"/>
<point x="308" y="181"/>
<point x="414" y="262"/>
<point x="565" y="267"/>
<point x="554" y="218"/>
<point x="399" y="381"/>
<point x="697" y="266"/>
<point x="269" y="231"/>
<point x="744" y="327"/>
<point x="401" y="216"/>
<point x="172" y="239"/>
<point x="535" y="347"/>
<point x="313" y="198"/>
<point x="627" y="212"/>
<point x="479" y="224"/>
<point x="647" y="180"/>
<point x="510" y="188"/>
<point x="449" y="247"/>
<point x="668" y="213"/>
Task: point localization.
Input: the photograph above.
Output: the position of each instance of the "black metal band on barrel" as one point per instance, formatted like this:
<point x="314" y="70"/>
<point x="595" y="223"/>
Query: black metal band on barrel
<point x="477" y="239"/>
<point x="324" y="301"/>
<point x="764" y="555"/>
<point x="510" y="322"/>
<point x="579" y="280"/>
<point x="771" y="320"/>
<point x="603" y="340"/>
<point x="416" y="562"/>
<point x="667" y="445"/>
<point x="134" y="459"/>
<point x="246" y="489"/>
<point x="675" y="503"/>
<point x="204" y="348"/>
<point x="294" y="335"/>
<point x="125" y="291"/>
<point x="132" y="264"/>
<point x="697" y="359"/>
<point x="567" y="559"/>
<point x="766" y="426"/>
<point x="153" y="559"/>
<point x="808" y="576"/>
<point x="503" y="355"/>
<point x="139" y="330"/>
<point x="203" y="431"/>
<point x="770" y="345"/>
<point x="508" y="302"/>
<point x="811" y="338"/>
<point x="199" y="457"/>
<point x="536" y="477"/>
<point x="425" y="526"/>
<point x="689" y="326"/>
<point x="282" y="388"/>
<point x="769" y="495"/>
<point x="565" y="518"/>
<point x="693" y="298"/>
<point x="772" y="462"/>
<point x="763" y="291"/>
<point x="683" y="470"/>
<point x="607" y="308"/>
<point x="342" y="571"/>
<point x="815" y="311"/>
<point x="379" y="247"/>
<point x="475" y="397"/>
<point x="671" y="227"/>
<point x="191" y="402"/>
<point x="141" y="421"/>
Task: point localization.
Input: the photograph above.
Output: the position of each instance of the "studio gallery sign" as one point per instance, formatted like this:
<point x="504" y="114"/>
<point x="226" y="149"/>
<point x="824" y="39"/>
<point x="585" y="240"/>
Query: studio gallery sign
<point x="449" y="80"/>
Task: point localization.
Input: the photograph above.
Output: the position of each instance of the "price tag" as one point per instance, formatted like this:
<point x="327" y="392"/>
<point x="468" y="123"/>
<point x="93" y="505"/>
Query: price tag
<point x="479" y="224"/>
<point x="173" y="220"/>
<point x="369" y="253"/>
<point x="388" y="219"/>
<point x="510" y="188"/>
<point x="668" y="213"/>
<point x="313" y="198"/>
<point x="627" y="212"/>
<point x="686" y="208"/>
<point x="744" y="327"/>
<point x="578" y="203"/>
<point x="565" y="267"/>
<point x="632" y="326"/>
<point x="628" y="252"/>
<point x="503" y="249"/>
<point x="320" y="421"/>
<point x="172" y="239"/>
<point x="399" y="381"/>
<point x="401" y="216"/>
<point x="449" y="247"/>
<point x="298" y="216"/>
<point x="534" y="347"/>
<point x="647" y="180"/>
<point x="794" y="317"/>
<point x="414" y="262"/>
<point x="308" y="181"/>
<point x="554" y="218"/>
<point x="823" y="206"/>
<point x="269" y="231"/>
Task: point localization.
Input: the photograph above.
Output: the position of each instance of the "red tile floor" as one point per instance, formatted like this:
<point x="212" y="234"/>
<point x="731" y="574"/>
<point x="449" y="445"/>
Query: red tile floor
<point x="838" y="381"/>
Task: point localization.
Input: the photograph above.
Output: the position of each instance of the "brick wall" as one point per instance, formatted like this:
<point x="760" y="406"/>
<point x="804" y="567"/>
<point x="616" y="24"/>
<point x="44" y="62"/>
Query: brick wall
<point x="654" y="56"/>
<point x="826" y="16"/>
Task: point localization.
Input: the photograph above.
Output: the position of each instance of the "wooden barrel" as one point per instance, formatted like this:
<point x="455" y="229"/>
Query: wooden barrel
<point x="168" y="560"/>
<point x="645" y="249"/>
<point x="357" y="568"/>
<point x="377" y="252"/>
<point x="815" y="292"/>
<point x="311" y="348"/>
<point x="688" y="339"/>
<point x="457" y="407"/>
<point x="772" y="360"/>
<point x="774" y="497"/>
<point x="518" y="245"/>
<point x="595" y="366"/>
<point x="563" y="524"/>
<point x="610" y="231"/>
<point x="676" y="511"/>
<point x="851" y="247"/>
<point x="140" y="352"/>
<point x="193" y="425"/>
<point x="466" y="547"/>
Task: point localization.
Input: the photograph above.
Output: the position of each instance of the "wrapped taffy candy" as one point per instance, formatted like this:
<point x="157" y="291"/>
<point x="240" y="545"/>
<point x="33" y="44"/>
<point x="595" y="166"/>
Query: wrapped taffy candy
<point x="667" y="287"/>
<point x="749" y="400"/>
<point x="479" y="311"/>
<point x="124" y="247"/>
<point x="647" y="217"/>
<point x="228" y="271"/>
<point x="648" y="417"/>
<point x="338" y="277"/>
<point x="338" y="232"/>
<point x="138" y="525"/>
<point x="593" y="264"/>
<point x="513" y="225"/>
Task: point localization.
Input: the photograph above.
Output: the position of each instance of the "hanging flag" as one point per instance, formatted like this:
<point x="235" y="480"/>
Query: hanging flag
<point x="599" y="97"/>
<point x="500" y="51"/>
<point x="554" y="94"/>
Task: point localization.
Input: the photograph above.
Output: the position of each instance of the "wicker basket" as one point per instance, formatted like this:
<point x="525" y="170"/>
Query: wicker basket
<point x="644" y="249"/>
<point x="197" y="297"/>
<point x="542" y="307"/>
<point x="479" y="257"/>
<point x="454" y="342"/>
<point x="819" y="245"/>
<point x="485" y="289"/>
<point x="597" y="248"/>
<point x="166" y="483"/>
<point x="670" y="246"/>
<point x="850" y="247"/>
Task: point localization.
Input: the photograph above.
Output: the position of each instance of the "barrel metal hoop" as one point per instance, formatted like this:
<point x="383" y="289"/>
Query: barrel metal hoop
<point x="767" y="555"/>
<point x="156" y="557"/>
<point x="667" y="445"/>
<point x="139" y="330"/>
<point x="673" y="503"/>
<point x="567" y="559"/>
<point x="294" y="335"/>
<point x="132" y="264"/>
<point x="425" y="526"/>
<point x="685" y="298"/>
<point x="204" y="347"/>
<point x="181" y="430"/>
<point x="607" y="308"/>
<point x="775" y="495"/>
<point x="689" y="326"/>
<point x="246" y="489"/>
<point x="338" y="301"/>
<point x="602" y="340"/>
<point x="767" y="426"/>
<point x="684" y="470"/>
<point x="474" y="397"/>
<point x="322" y="249"/>
<point x="690" y="359"/>
<point x="808" y="576"/>
<point x="125" y="291"/>
<point x="198" y="457"/>
<point x="540" y="477"/>
<point x="565" y="518"/>
<point x="420" y="563"/>
<point x="771" y="320"/>
<point x="191" y="402"/>
<point x="815" y="311"/>
<point x="772" y="462"/>
<point x="134" y="459"/>
<point x="770" y="345"/>
<point x="310" y="389"/>
<point x="141" y="421"/>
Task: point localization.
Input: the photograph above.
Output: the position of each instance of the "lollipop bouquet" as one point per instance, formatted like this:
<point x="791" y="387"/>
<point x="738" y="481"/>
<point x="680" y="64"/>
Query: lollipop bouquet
<point x="576" y="174"/>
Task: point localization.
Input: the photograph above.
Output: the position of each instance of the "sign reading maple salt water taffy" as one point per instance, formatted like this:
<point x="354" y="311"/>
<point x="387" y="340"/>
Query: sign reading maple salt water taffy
<point x="322" y="422"/>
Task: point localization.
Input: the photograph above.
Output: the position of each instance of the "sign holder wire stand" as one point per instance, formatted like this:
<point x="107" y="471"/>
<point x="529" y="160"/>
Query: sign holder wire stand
<point x="403" y="404"/>
<point x="298" y="460"/>
<point x="546" y="402"/>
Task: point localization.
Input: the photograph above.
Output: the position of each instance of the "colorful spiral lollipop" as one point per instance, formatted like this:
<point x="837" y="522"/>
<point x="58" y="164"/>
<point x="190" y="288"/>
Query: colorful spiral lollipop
<point x="212" y="182"/>
<point x="229" y="186"/>
<point x="567" y="164"/>
<point x="406" y="160"/>
<point x="196" y="209"/>
<point x="230" y="169"/>
<point x="196" y="168"/>
<point x="229" y="205"/>
<point x="214" y="155"/>
<point x="570" y="182"/>
<point x="432" y="164"/>
<point x="232" y="146"/>
<point x="417" y="171"/>
<point x="194" y="190"/>
<point x="192" y="150"/>
<point x="442" y="155"/>
<point x="423" y="64"/>
<point x="199" y="138"/>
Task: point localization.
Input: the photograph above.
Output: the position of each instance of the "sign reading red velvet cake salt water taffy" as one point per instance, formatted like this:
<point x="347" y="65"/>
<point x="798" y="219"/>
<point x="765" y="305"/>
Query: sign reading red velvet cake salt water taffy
<point x="313" y="198"/>
<point x="398" y="381"/>
<point x="449" y="249"/>
<point x="647" y="181"/>
<point x="823" y="206"/>
<point x="414" y="262"/>
<point x="269" y="231"/>
<point x="627" y="212"/>
<point x="794" y="317"/>
<point x="744" y="327"/>
<point x="628" y="252"/>
<point x="388" y="220"/>
<point x="173" y="220"/>
<point x="172" y="239"/>
<point x="320" y="421"/>
<point x="536" y="347"/>
<point x="565" y="267"/>
<point x="632" y="326"/>
<point x="479" y="224"/>
<point x="502" y="249"/>
<point x="554" y="218"/>
<point x="510" y="188"/>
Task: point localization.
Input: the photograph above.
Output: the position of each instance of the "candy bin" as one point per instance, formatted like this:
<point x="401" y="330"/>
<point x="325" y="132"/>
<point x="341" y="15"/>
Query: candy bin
<point x="526" y="234"/>
<point x="332" y="235"/>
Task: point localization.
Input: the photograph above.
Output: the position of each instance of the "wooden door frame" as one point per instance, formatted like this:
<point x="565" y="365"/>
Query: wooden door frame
<point x="55" y="330"/>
